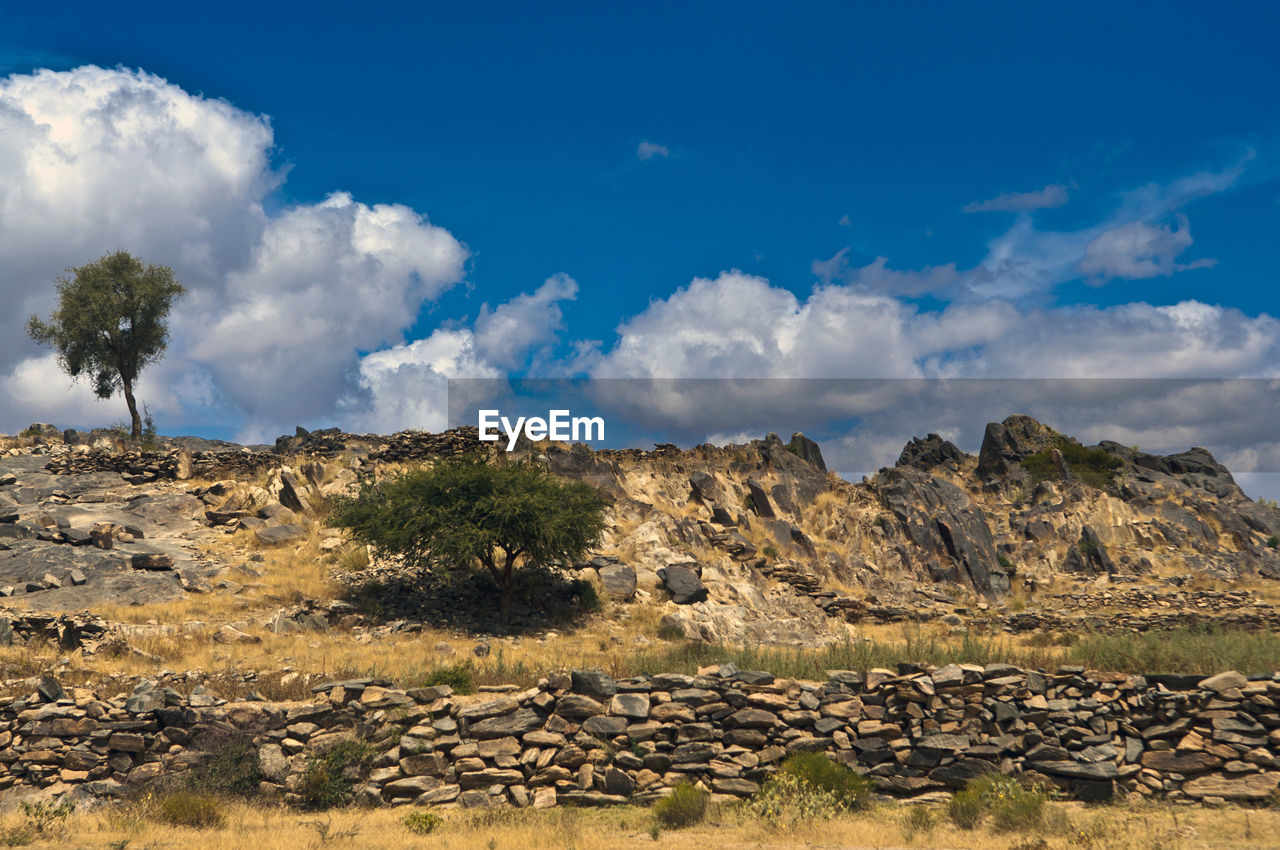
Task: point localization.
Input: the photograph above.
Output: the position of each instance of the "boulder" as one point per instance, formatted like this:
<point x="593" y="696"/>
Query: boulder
<point x="684" y="584"/>
<point x="593" y="683"/>
<point x="807" y="450"/>
<point x="1253" y="787"/>
<point x="619" y="581"/>
<point x="277" y="534"/>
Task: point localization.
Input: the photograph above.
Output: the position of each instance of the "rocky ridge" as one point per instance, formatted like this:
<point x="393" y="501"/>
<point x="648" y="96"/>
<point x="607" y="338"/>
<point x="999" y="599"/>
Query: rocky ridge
<point x="753" y="542"/>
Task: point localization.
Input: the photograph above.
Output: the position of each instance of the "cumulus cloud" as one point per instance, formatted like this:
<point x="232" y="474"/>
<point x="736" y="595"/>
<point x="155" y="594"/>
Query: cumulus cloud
<point x="279" y="305"/>
<point x="1138" y="250"/>
<point x="648" y="150"/>
<point x="324" y="281"/>
<point x="407" y="385"/>
<point x="507" y="333"/>
<point x="1053" y="195"/>
<point x="845" y="354"/>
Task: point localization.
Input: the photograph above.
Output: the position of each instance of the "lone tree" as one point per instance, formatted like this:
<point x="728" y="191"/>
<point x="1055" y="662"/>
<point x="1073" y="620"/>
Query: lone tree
<point x="466" y="512"/>
<point x="110" y="322"/>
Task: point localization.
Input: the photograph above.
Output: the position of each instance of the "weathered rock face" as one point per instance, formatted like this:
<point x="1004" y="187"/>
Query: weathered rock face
<point x="931" y="452"/>
<point x="950" y="535"/>
<point x="807" y="450"/>
<point x="1005" y="443"/>
<point x="583" y="738"/>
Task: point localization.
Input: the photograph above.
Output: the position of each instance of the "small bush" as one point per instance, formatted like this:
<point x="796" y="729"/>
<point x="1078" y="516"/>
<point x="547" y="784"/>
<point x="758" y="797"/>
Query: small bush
<point x="40" y="820"/>
<point x="459" y="676"/>
<point x="686" y="806"/>
<point x="184" y="808"/>
<point x="850" y="789"/>
<point x="229" y="768"/>
<point x="918" y="821"/>
<point x="354" y="559"/>
<point x="810" y="786"/>
<point x="422" y="822"/>
<point x="1012" y="806"/>
<point x="1273" y="541"/>
<point x="769" y="552"/>
<point x="328" y="778"/>
<point x="966" y="809"/>
<point x="788" y="799"/>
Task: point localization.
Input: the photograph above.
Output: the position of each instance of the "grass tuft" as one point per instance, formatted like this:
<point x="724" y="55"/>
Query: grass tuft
<point x="686" y="806"/>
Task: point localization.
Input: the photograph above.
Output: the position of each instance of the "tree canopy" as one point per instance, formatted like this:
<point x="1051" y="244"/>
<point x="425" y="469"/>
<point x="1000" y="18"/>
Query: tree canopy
<point x="110" y="323"/>
<point x="467" y="512"/>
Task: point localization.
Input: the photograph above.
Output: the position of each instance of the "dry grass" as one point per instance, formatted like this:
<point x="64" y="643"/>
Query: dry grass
<point x="252" y="827"/>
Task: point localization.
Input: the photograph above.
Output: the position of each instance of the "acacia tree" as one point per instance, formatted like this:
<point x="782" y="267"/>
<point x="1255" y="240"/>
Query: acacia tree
<point x="467" y="512"/>
<point x="110" y="322"/>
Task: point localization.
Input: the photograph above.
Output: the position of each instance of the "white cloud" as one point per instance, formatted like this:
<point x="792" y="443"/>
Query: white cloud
<point x="1138" y="250"/>
<point x="818" y="352"/>
<point x="324" y="281"/>
<point x="648" y="150"/>
<point x="1024" y="262"/>
<point x="407" y="385"/>
<point x="93" y="160"/>
<point x="506" y="334"/>
<point x="877" y="276"/>
<point x="1053" y="195"/>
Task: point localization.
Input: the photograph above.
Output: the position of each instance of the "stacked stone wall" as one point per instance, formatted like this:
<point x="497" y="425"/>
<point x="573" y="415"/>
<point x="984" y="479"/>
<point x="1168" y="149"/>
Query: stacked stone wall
<point x="585" y="738"/>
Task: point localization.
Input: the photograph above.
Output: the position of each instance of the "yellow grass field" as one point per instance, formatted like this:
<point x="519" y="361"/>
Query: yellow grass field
<point x="1137" y="826"/>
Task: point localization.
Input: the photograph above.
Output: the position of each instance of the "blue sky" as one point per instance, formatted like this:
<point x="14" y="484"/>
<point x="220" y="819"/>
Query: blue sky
<point x="1109" y="155"/>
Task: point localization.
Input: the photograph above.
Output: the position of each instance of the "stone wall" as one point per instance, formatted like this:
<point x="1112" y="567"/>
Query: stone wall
<point x="141" y="467"/>
<point x="585" y="738"/>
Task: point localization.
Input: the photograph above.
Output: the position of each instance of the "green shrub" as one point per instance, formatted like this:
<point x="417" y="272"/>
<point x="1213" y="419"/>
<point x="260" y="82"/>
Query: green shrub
<point x="460" y="676"/>
<point x="769" y="552"/>
<point x="966" y="809"/>
<point x="230" y="765"/>
<point x="850" y="789"/>
<point x="1095" y="467"/>
<point x="184" y="808"/>
<point x="810" y="786"/>
<point x="422" y="822"/>
<point x="686" y="806"/>
<point x="786" y="798"/>
<point x="1273" y="541"/>
<point x="1012" y="806"/>
<point x="328" y="778"/>
<point x="465" y="512"/>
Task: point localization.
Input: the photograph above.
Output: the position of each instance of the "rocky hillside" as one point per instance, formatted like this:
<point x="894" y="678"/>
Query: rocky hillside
<point x="779" y="545"/>
<point x="744" y="543"/>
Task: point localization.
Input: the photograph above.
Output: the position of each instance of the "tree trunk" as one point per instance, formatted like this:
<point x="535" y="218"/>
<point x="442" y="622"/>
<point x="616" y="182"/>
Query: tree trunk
<point x="506" y="601"/>
<point x="134" y="418"/>
<point x="507" y="585"/>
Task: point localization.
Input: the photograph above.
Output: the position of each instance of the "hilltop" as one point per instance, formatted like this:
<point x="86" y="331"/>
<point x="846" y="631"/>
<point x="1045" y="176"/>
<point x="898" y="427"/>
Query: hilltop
<point x="753" y="543"/>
